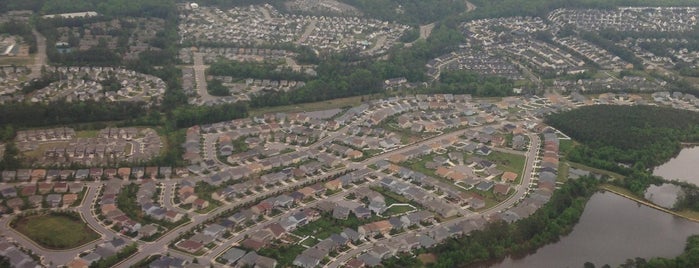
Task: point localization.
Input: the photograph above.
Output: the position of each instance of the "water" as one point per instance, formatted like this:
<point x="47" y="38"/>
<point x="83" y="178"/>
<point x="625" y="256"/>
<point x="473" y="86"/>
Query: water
<point x="611" y="230"/>
<point x="683" y="167"/>
<point x="664" y="195"/>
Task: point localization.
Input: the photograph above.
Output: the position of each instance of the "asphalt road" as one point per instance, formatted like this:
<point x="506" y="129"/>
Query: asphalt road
<point x="63" y="256"/>
<point x="200" y="77"/>
<point x="521" y="189"/>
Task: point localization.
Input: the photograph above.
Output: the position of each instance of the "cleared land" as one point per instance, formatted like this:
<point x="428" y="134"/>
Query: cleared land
<point x="312" y="106"/>
<point x="55" y="231"/>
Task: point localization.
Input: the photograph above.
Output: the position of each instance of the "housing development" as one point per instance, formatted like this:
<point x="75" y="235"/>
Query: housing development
<point x="304" y="178"/>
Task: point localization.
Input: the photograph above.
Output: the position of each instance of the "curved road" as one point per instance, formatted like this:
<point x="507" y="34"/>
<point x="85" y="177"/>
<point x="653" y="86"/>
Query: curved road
<point x="521" y="191"/>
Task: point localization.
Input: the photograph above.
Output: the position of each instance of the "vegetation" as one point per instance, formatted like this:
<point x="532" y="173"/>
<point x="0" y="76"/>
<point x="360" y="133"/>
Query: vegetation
<point x="284" y="254"/>
<point x="23" y="30"/>
<point x="465" y="82"/>
<point x="409" y="11"/>
<point x="643" y="136"/>
<point x="55" y="230"/>
<point x="500" y="239"/>
<point x="216" y="88"/>
<point x="128" y="204"/>
<point x="265" y="70"/>
<point x="622" y="52"/>
<point x="61" y="113"/>
<point x="187" y="116"/>
<point x="688" y="258"/>
<point x="113" y="260"/>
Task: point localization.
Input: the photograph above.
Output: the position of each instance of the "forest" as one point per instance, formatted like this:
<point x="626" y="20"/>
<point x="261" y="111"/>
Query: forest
<point x="266" y="70"/>
<point x="465" y="82"/>
<point x="23" y="30"/>
<point x="412" y="12"/>
<point x="653" y="131"/>
<point x="61" y="113"/>
<point x="627" y="139"/>
<point x="499" y="239"/>
<point x="338" y="77"/>
<point x="623" y="53"/>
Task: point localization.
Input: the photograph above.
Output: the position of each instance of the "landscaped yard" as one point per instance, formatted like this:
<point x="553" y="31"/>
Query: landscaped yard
<point x="397" y="209"/>
<point x="55" y="231"/>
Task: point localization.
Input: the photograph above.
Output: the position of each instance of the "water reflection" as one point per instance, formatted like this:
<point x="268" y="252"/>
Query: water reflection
<point x="611" y="230"/>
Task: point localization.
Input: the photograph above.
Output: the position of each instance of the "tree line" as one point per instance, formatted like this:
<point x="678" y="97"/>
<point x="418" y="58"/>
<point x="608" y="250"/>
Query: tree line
<point x="24" y="30"/>
<point x="688" y="258"/>
<point x="265" y="70"/>
<point x="413" y="12"/>
<point x="499" y="239"/>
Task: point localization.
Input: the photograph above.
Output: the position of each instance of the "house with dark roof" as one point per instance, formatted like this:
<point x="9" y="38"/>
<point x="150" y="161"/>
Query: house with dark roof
<point x="232" y="255"/>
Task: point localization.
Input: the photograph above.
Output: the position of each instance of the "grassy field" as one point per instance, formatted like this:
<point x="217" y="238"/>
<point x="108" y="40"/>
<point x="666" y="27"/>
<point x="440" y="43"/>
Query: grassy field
<point x="16" y="60"/>
<point x="87" y="134"/>
<point x="320" y="229"/>
<point x="55" y="231"/>
<point x="312" y="106"/>
<point x="563" y="168"/>
<point x="508" y="162"/>
<point x="42" y="147"/>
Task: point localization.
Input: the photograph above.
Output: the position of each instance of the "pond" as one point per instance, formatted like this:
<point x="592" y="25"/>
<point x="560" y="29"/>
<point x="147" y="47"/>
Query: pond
<point x="683" y="167"/>
<point x="665" y="195"/>
<point x="611" y="230"/>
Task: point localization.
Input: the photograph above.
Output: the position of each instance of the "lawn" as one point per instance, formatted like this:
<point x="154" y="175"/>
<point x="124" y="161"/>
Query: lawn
<point x="55" y="231"/>
<point x="327" y="225"/>
<point x="42" y="147"/>
<point x="320" y="229"/>
<point x="284" y="254"/>
<point x="87" y="134"/>
<point x="397" y="209"/>
<point x="419" y="165"/>
<point x="508" y="162"/>
<point x="16" y="60"/>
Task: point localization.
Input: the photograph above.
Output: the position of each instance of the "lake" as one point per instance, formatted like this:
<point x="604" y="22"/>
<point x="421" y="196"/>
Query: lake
<point x="683" y="167"/>
<point x="611" y="230"/>
<point x="664" y="195"/>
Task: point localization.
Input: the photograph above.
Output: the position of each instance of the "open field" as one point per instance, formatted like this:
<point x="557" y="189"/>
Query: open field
<point x="86" y="134"/>
<point x="508" y="162"/>
<point x="42" y="147"/>
<point x="16" y="60"/>
<point x="55" y="231"/>
<point x="312" y="106"/>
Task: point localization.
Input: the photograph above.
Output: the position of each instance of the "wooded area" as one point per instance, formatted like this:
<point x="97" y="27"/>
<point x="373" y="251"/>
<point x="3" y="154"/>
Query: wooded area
<point x="627" y="139"/>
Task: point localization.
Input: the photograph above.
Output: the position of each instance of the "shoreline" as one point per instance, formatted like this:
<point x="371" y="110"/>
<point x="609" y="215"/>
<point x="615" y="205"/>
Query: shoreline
<point x="611" y="189"/>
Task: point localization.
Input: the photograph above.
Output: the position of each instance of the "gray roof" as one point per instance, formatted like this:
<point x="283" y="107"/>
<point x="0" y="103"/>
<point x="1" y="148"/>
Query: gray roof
<point x="233" y="255"/>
